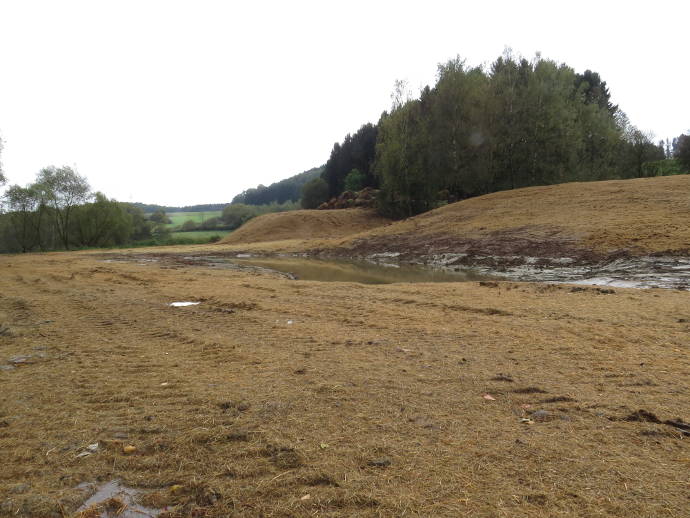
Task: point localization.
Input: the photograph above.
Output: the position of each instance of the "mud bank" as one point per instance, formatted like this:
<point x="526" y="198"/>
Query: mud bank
<point x="634" y="272"/>
<point x="666" y="272"/>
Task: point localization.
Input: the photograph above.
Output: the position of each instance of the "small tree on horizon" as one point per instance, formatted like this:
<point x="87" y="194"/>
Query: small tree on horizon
<point x="160" y="217"/>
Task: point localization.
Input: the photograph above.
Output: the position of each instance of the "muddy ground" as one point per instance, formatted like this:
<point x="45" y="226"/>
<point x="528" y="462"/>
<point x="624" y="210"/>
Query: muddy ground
<point x="274" y="397"/>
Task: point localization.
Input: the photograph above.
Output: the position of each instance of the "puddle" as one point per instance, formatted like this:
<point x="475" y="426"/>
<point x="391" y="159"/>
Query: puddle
<point x="184" y="304"/>
<point x="125" y="495"/>
<point x="360" y="271"/>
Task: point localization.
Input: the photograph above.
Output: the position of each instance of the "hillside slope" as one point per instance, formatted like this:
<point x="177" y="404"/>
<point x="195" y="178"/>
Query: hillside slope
<point x="305" y="224"/>
<point x="584" y="221"/>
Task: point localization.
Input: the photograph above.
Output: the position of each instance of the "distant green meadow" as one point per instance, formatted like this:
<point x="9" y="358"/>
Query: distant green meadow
<point x="178" y="218"/>
<point x="199" y="234"/>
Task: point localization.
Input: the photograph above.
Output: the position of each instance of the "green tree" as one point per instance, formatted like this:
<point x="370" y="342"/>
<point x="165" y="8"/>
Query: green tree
<point x="314" y="193"/>
<point x="189" y="226"/>
<point x="24" y="215"/>
<point x="160" y="217"/>
<point x="357" y="151"/>
<point x="354" y="181"/>
<point x="141" y="227"/>
<point x="62" y="189"/>
<point x="101" y="223"/>
<point x="681" y="151"/>
<point x="211" y="224"/>
<point x="237" y="214"/>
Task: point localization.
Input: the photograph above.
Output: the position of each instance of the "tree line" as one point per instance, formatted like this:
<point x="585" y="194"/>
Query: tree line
<point x="515" y="123"/>
<point x="59" y="211"/>
<point x="150" y="208"/>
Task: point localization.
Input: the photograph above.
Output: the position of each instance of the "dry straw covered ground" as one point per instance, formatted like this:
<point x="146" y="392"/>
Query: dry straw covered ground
<point x="290" y="398"/>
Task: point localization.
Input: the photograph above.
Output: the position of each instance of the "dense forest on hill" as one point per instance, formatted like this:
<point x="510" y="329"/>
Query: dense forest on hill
<point x="513" y="124"/>
<point x="288" y="190"/>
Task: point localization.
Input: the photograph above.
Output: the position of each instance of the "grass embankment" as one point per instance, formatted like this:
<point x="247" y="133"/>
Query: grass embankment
<point x="305" y="225"/>
<point x="637" y="217"/>
<point x="289" y="398"/>
<point x="585" y="221"/>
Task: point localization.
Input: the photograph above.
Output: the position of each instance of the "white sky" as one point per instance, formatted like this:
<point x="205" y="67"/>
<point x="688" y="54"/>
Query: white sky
<point x="186" y="102"/>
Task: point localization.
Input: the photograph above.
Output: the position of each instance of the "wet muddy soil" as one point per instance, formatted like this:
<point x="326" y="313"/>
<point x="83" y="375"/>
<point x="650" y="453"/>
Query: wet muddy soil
<point x="391" y="267"/>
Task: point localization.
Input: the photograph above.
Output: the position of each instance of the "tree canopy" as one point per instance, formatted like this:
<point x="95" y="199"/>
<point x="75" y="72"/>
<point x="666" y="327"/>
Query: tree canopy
<point x="355" y="152"/>
<point x="58" y="211"/>
<point x="513" y="124"/>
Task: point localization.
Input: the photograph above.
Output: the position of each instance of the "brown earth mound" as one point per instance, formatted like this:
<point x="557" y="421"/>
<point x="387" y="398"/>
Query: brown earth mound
<point x="581" y="220"/>
<point x="305" y="224"/>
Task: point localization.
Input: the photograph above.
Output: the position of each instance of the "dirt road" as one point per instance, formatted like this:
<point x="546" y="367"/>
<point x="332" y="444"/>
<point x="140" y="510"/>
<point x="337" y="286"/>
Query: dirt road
<point x="274" y="397"/>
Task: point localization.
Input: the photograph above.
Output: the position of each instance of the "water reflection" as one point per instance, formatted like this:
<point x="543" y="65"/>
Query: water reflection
<point x="358" y="271"/>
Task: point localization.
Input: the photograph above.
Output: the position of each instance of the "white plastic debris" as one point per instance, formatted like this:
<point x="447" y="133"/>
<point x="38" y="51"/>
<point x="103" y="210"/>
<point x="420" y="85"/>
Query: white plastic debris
<point x="184" y="304"/>
<point x="91" y="448"/>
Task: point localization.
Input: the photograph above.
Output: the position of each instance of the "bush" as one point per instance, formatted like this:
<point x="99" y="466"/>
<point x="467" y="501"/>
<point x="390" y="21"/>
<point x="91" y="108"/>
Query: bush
<point x="314" y="193"/>
<point x="237" y="214"/>
<point x="189" y="226"/>
<point x="354" y="181"/>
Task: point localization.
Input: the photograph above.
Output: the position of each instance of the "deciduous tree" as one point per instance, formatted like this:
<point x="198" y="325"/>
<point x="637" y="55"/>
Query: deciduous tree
<point x="62" y="189"/>
<point x="314" y="193"/>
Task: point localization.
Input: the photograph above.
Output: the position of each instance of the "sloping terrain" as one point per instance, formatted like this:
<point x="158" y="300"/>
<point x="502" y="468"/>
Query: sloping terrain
<point x="585" y="221"/>
<point x="305" y="224"/>
<point x="280" y="398"/>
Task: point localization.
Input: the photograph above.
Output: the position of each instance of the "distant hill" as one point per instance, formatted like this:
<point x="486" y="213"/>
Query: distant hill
<point x="289" y="189"/>
<point x="149" y="208"/>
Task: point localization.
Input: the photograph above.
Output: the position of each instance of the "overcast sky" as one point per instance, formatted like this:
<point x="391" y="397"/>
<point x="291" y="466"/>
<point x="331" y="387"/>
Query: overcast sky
<point x="186" y="102"/>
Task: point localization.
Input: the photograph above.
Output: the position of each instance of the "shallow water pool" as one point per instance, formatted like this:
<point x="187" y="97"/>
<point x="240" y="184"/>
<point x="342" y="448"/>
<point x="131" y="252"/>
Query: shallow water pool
<point x="360" y="271"/>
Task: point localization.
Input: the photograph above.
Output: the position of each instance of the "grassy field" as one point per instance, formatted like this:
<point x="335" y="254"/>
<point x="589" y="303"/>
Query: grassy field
<point x="199" y="234"/>
<point x="178" y="218"/>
